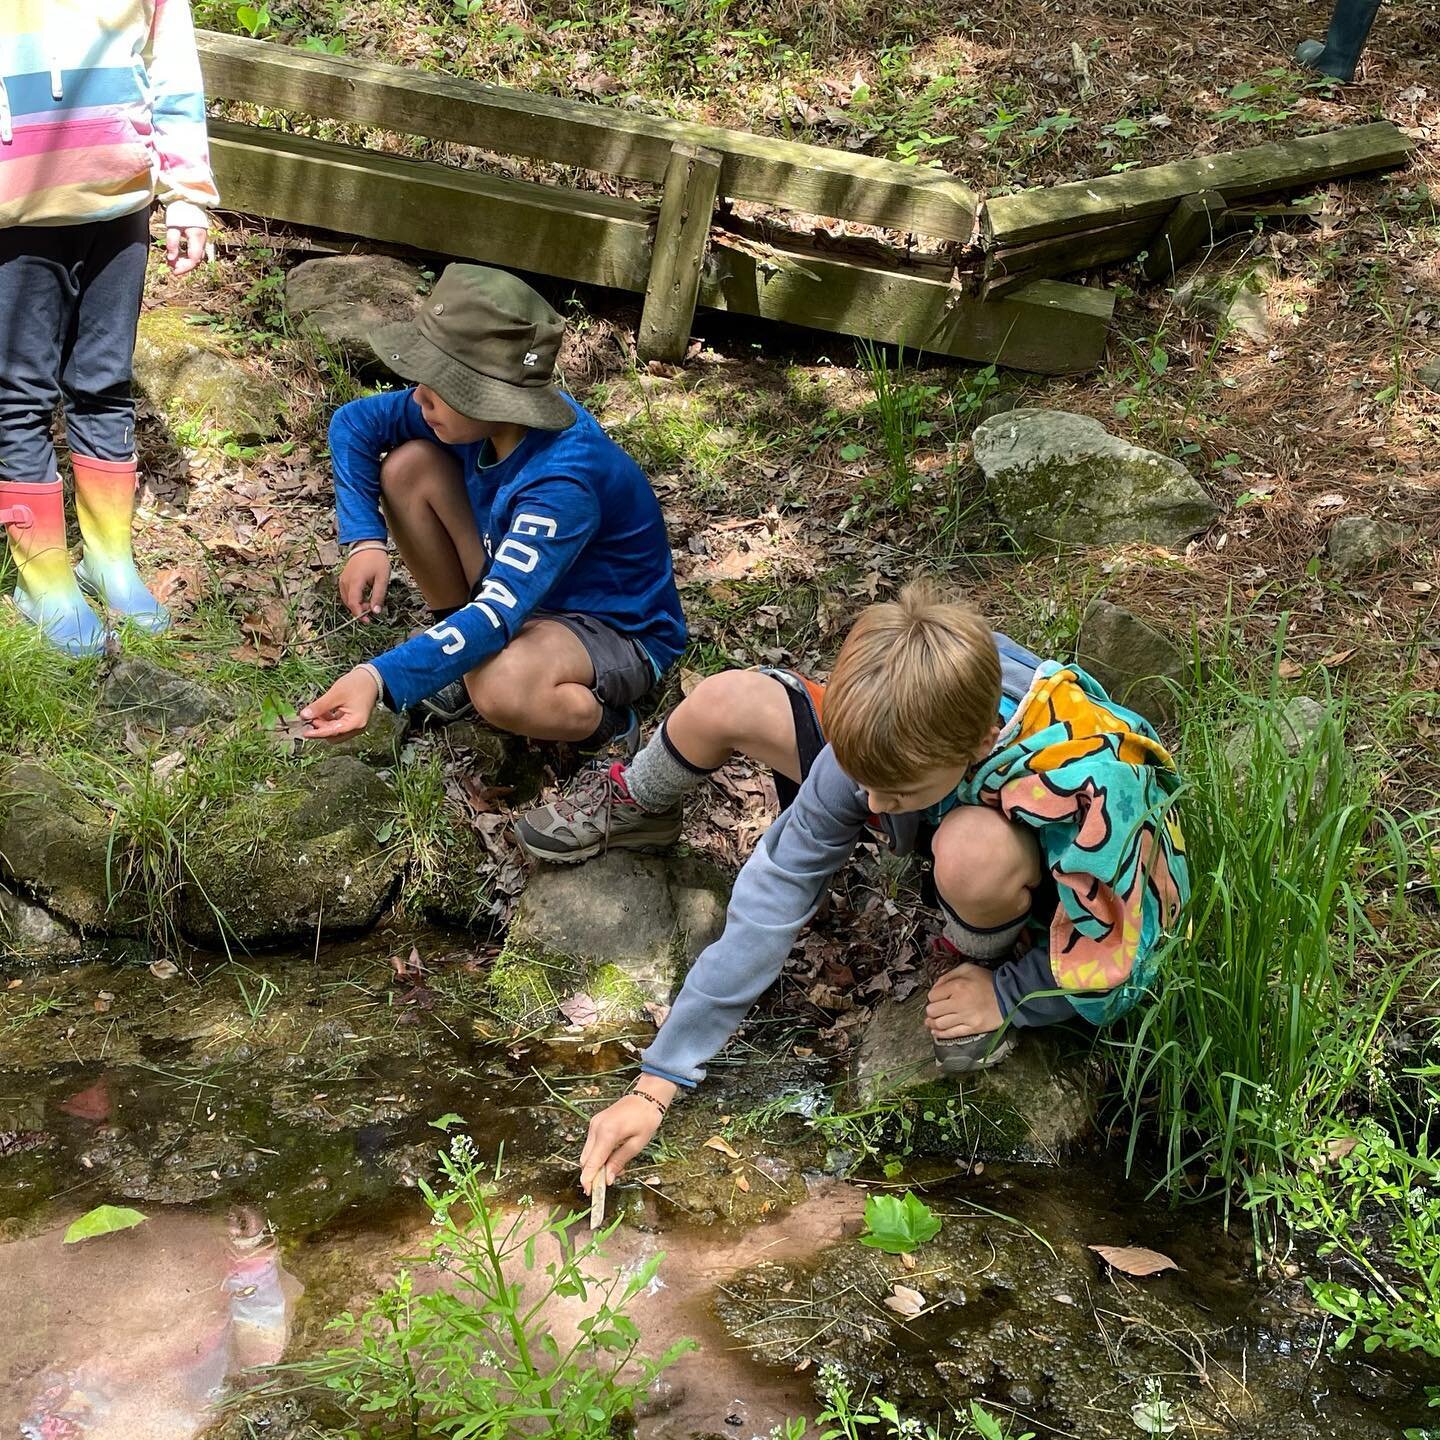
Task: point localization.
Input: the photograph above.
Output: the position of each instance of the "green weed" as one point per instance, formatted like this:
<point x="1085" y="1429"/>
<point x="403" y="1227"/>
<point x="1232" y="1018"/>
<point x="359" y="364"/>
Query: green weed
<point x="477" y="1358"/>
<point x="1376" y="1208"/>
<point x="1264" y="1022"/>
<point x="45" y="698"/>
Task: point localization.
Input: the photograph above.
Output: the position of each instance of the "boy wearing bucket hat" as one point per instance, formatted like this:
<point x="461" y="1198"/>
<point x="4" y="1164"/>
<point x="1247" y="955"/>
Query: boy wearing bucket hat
<point x="536" y="541"/>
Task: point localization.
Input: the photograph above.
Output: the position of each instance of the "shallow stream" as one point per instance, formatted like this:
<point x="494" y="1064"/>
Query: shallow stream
<point x="271" y="1118"/>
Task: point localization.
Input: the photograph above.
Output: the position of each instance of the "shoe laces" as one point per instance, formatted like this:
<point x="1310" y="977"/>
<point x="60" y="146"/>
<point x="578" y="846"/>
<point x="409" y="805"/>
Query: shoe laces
<point x="592" y="788"/>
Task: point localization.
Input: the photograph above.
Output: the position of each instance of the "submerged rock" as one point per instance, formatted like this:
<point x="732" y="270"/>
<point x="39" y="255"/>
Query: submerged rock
<point x="281" y="864"/>
<point x="623" y="929"/>
<point x="1060" y="478"/>
<point x="1023" y="1311"/>
<point x="1360" y="542"/>
<point x="1138" y="665"/>
<point x="343" y="298"/>
<point x="31" y="934"/>
<point x="144" y="693"/>
<point x="186" y="370"/>
<point x="1039" y="1104"/>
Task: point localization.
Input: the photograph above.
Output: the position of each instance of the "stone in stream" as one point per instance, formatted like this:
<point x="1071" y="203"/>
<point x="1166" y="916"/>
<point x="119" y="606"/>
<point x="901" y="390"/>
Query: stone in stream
<point x="1059" y="478"/>
<point x="281" y="864"/>
<point x="621" y="930"/>
<point x="1020" y="1308"/>
<point x="55" y="842"/>
<point x="30" y="934"/>
<point x="1038" y="1105"/>
<point x="1359" y="543"/>
<point x="141" y="692"/>
<point x="185" y="370"/>
<point x="1138" y="665"/>
<point x="343" y="298"/>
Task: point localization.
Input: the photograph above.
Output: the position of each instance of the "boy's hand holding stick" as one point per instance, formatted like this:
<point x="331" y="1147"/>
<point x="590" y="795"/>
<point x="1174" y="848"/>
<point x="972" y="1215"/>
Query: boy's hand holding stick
<point x="618" y="1134"/>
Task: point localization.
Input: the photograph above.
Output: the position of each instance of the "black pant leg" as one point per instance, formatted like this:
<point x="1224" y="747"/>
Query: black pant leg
<point x="100" y="346"/>
<point x="39" y="289"/>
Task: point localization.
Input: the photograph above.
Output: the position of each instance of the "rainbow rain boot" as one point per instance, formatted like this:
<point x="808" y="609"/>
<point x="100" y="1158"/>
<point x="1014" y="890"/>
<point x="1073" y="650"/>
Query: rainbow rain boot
<point x="34" y="518"/>
<point x="105" y="506"/>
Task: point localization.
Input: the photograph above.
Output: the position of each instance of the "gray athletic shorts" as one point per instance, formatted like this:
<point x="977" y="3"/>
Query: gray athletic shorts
<point x="624" y="670"/>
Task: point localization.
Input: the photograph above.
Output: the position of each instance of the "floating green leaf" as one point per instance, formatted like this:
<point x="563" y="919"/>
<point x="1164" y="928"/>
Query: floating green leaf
<point x="446" y="1121"/>
<point x="897" y="1225"/>
<point x="103" y="1220"/>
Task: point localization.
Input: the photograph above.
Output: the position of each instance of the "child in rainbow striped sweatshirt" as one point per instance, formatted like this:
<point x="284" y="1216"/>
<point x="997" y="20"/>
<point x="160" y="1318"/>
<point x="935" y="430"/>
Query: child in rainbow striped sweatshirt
<point x="101" y="113"/>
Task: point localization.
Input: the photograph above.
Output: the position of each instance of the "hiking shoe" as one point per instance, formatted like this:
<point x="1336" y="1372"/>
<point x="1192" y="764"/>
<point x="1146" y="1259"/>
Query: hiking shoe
<point x="594" y="814"/>
<point x="973" y="1052"/>
<point x="447" y="705"/>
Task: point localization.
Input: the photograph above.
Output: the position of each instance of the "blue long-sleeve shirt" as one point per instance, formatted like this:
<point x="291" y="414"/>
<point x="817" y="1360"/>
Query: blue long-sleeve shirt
<point x="569" y="523"/>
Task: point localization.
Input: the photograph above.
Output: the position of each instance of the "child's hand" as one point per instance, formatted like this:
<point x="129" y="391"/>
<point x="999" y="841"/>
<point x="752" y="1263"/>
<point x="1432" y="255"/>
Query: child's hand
<point x="620" y="1132"/>
<point x="363" y="583"/>
<point x="194" y="238"/>
<point x="962" y="1003"/>
<point x="344" y="709"/>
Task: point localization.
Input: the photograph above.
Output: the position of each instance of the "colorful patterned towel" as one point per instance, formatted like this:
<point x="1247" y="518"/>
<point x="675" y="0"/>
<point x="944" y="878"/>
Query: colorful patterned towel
<point x="1093" y="780"/>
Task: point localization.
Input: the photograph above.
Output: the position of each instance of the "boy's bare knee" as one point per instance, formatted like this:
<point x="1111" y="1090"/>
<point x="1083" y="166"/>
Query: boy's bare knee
<point x="730" y="693"/>
<point x="408" y="467"/>
<point x="984" y="865"/>
<point x="496" y="696"/>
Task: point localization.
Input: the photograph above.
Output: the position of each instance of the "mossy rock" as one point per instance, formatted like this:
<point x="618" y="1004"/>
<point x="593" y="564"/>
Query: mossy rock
<point x="31" y="935"/>
<point x="1138" y="665"/>
<point x="623" y="929"/>
<point x="282" y="864"/>
<point x="54" y="844"/>
<point x="185" y="370"/>
<point x="1038" y="1105"/>
<point x="138" y="691"/>
<point x="1062" y="479"/>
<point x="342" y="299"/>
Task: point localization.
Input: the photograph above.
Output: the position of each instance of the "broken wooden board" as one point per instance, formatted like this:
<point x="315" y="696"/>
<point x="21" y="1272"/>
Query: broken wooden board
<point x="863" y="189"/>
<point x="1048" y="328"/>
<point x="1198" y="220"/>
<point x="1063" y="229"/>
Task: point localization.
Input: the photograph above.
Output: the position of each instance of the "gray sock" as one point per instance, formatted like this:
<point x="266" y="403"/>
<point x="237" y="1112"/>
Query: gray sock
<point x="982" y="945"/>
<point x="660" y="777"/>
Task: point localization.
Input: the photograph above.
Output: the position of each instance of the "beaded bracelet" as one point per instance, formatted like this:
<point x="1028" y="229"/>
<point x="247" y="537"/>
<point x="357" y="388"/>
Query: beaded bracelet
<point x="655" y="1100"/>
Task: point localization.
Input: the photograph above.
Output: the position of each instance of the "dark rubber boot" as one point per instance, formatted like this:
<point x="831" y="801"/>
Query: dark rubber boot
<point x="1349" y="29"/>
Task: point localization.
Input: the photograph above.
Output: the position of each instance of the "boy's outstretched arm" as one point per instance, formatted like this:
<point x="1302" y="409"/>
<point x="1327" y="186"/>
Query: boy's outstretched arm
<point x="775" y="894"/>
<point x="550" y="522"/>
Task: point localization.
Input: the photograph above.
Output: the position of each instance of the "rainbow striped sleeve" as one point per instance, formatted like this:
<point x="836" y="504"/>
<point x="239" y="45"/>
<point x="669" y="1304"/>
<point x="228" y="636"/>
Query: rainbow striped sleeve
<point x="184" y="182"/>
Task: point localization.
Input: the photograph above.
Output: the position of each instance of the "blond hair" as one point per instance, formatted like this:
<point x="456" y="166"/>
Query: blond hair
<point x="916" y="686"/>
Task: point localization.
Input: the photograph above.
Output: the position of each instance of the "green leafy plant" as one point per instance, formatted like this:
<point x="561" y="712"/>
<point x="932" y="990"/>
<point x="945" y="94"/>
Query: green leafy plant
<point x="898" y="1225"/>
<point x="1376" y="1207"/>
<point x="476" y="1360"/>
<point x="103" y="1220"/>
<point x="848" y="1415"/>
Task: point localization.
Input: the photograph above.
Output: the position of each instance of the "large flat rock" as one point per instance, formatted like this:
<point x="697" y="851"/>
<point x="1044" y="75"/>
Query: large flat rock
<point x="1057" y="478"/>
<point x="1039" y="1104"/>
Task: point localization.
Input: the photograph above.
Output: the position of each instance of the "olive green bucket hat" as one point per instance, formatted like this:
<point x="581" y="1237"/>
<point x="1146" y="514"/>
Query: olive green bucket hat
<point x="486" y="344"/>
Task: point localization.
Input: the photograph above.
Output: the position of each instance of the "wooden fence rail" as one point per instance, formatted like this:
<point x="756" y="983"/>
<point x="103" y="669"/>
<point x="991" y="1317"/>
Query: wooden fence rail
<point x="1001" y="303"/>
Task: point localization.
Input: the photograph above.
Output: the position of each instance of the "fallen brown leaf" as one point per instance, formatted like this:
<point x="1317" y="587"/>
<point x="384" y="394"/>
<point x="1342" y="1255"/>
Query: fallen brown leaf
<point x="1134" y="1259"/>
<point x="905" y="1301"/>
<point x="715" y="1142"/>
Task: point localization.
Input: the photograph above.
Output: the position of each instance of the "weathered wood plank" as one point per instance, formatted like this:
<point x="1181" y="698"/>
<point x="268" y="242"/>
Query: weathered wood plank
<point x="809" y="178"/>
<point x="1049" y="328"/>
<point x="1011" y="269"/>
<point x="681" y="234"/>
<point x="1197" y="220"/>
<point x="1032" y="215"/>
<point x="540" y="228"/>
